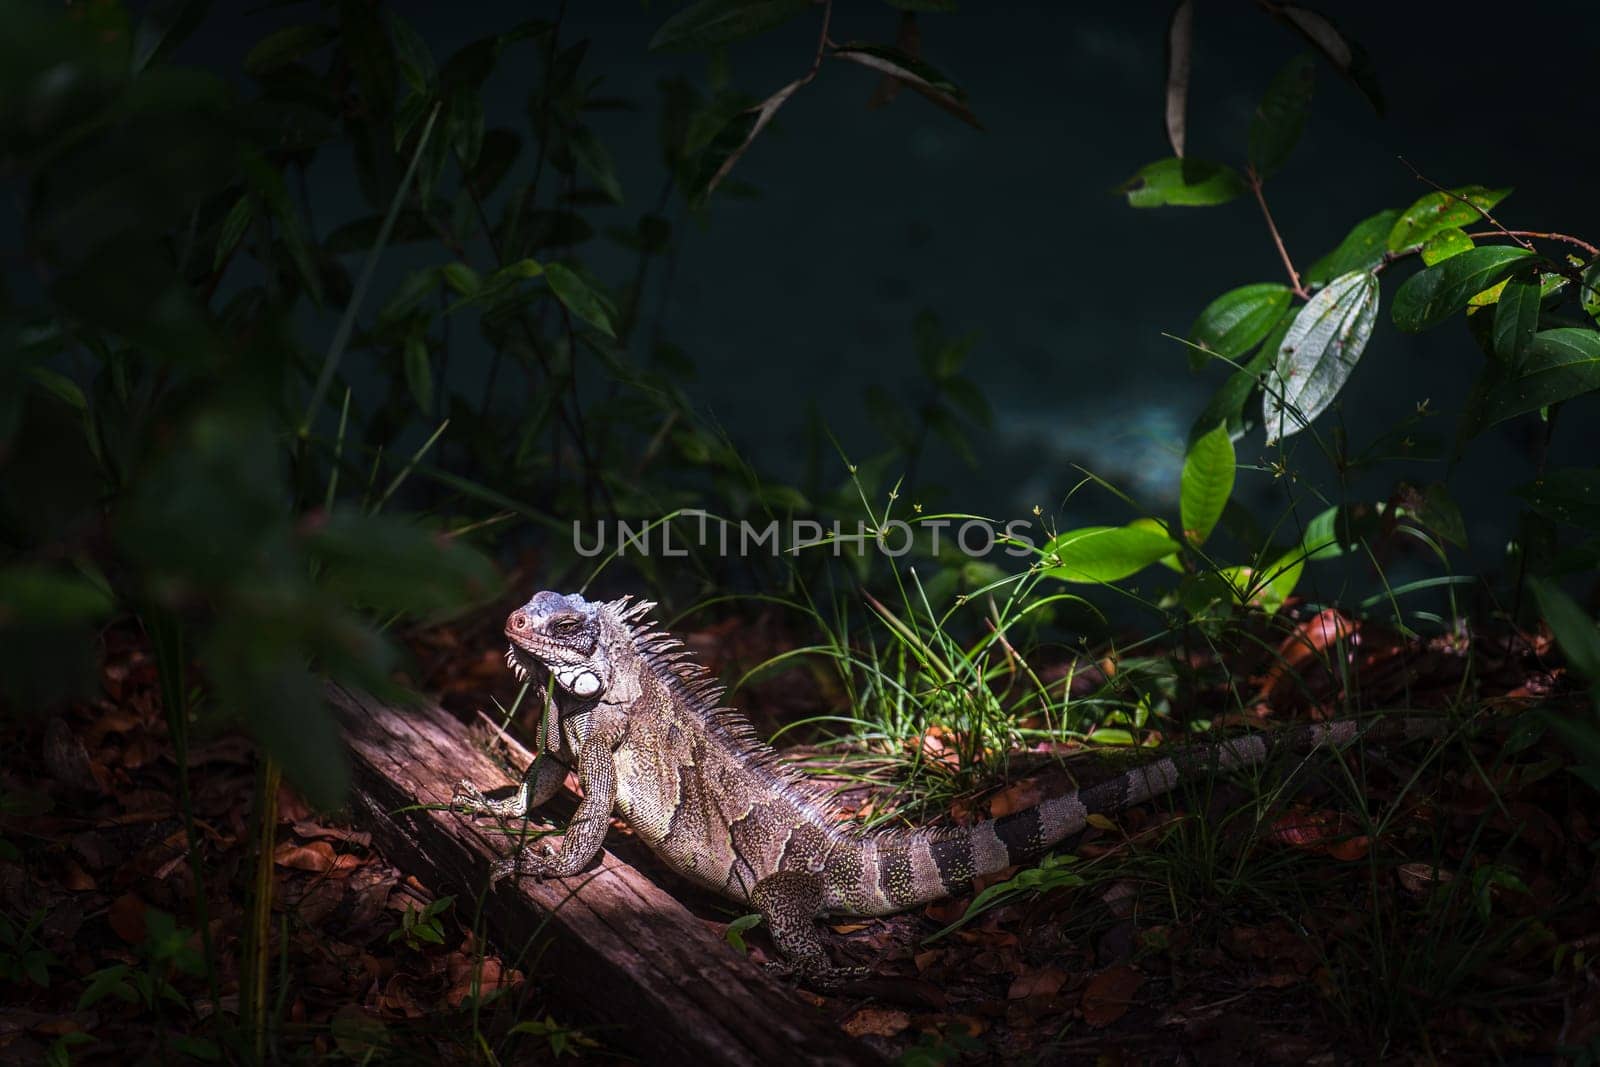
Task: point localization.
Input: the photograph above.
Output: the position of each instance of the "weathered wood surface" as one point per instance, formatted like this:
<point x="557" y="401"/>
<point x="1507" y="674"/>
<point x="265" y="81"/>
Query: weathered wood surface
<point x="619" y="947"/>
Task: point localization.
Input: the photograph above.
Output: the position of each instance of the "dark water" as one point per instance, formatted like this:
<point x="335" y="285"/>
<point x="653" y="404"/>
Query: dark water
<point x="805" y="295"/>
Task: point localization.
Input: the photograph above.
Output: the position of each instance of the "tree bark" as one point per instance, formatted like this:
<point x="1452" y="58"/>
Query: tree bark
<point x="609" y="943"/>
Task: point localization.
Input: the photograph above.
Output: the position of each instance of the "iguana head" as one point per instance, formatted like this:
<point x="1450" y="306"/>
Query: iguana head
<point x="562" y="634"/>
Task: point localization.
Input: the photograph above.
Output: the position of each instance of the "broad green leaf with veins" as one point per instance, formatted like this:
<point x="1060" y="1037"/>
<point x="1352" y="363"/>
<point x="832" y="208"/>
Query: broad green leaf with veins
<point x="1361" y="249"/>
<point x="1428" y="298"/>
<point x="1236" y="321"/>
<point x="1444" y="244"/>
<point x="1183" y="183"/>
<point x="1206" y="484"/>
<point x="1441" y="211"/>
<point x="1281" y="115"/>
<point x="1106" y="553"/>
<point x="1319" y="352"/>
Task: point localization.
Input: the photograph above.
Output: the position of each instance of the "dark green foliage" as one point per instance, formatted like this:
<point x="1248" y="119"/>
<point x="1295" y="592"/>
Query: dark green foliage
<point x="180" y="441"/>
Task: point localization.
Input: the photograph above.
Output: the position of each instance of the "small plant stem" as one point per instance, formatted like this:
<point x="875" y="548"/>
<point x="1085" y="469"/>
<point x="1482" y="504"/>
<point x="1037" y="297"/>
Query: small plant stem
<point x="257" y="949"/>
<point x="347" y="323"/>
<point x="1577" y="242"/>
<point x="1277" y="238"/>
<point x="1515" y="235"/>
<point x="168" y="637"/>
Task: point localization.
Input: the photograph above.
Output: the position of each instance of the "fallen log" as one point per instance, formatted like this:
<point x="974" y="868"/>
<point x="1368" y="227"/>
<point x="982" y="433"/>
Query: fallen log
<point x="619" y="947"/>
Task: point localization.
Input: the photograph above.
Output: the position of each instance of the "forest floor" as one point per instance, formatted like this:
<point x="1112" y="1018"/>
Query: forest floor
<point x="1449" y="915"/>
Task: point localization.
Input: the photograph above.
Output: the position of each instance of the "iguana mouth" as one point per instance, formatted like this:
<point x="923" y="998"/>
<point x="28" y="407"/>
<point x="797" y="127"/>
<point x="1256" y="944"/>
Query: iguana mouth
<point x="519" y="661"/>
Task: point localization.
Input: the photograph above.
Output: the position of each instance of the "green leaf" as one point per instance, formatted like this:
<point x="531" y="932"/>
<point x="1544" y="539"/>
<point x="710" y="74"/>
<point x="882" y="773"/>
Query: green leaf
<point x="1106" y="553"/>
<point x="595" y="161"/>
<point x="1441" y="211"/>
<point x="726" y="146"/>
<point x="1433" y="295"/>
<point x="1570" y="495"/>
<point x="1435" y="510"/>
<point x="461" y="278"/>
<point x="1560" y="364"/>
<point x="1206" y="484"/>
<point x="33" y="595"/>
<point x="267" y="181"/>
<point x="736" y="931"/>
<point x="1281" y="115"/>
<point x="1227" y="405"/>
<point x="1279" y="580"/>
<point x="1337" y="530"/>
<point x="59" y="386"/>
<point x="1319" y="352"/>
<point x="1182" y="183"/>
<point x="1574" y="631"/>
<point x="710" y="23"/>
<point x="579" y="299"/>
<point x="1346" y="55"/>
<point x="1589" y="294"/>
<point x="1237" y="320"/>
<point x="1516" y="317"/>
<point x="412" y="55"/>
<point x="419" y="372"/>
<point x="1361" y="249"/>
<point x="233" y="227"/>
<point x="394" y="565"/>
<point x="284" y="706"/>
<point x="1444" y="244"/>
<point x="285" y="46"/>
<point x="522" y="268"/>
<point x="911" y="71"/>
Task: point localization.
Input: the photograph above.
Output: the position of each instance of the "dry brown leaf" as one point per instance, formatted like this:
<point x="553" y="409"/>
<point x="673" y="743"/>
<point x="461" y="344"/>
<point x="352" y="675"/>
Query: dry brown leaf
<point x="126" y="918"/>
<point x="877" y="1022"/>
<point x="1016" y="797"/>
<point x="1419" y="878"/>
<point x="312" y="831"/>
<point x="1045" y="982"/>
<point x="1109" y="994"/>
<point x="1329" y="832"/>
<point x="1312" y="642"/>
<point x="318" y="856"/>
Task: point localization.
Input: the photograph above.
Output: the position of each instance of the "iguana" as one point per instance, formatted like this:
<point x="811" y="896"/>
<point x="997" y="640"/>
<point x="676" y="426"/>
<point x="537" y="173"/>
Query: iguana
<point x="642" y="724"/>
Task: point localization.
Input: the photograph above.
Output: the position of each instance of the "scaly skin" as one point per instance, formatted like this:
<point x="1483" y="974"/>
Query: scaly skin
<point x="643" y="726"/>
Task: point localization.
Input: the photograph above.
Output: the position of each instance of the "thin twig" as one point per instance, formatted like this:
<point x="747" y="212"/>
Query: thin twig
<point x="1277" y="238"/>
<point x="1490" y="219"/>
<point x="1539" y="236"/>
<point x="822" y="42"/>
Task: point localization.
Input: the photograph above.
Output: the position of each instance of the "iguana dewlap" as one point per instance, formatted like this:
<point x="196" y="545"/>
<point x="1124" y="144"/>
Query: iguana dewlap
<point x="643" y="726"/>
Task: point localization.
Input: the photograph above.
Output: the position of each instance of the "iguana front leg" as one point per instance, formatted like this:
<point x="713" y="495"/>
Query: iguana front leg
<point x="541" y="782"/>
<point x="597" y="772"/>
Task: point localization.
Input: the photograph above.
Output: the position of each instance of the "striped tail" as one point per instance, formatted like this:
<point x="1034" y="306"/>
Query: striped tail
<point x="904" y="870"/>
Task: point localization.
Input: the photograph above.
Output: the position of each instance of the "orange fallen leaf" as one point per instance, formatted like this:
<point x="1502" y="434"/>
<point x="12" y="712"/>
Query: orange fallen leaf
<point x="318" y="856"/>
<point x="1016" y="797"/>
<point x="1329" y="832"/>
<point x="1109" y="994"/>
<point x="878" y="1022"/>
<point x="1310" y="643"/>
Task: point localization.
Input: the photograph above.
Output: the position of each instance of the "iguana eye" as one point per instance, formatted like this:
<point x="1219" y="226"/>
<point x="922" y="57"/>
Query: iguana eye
<point x="565" y="627"/>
